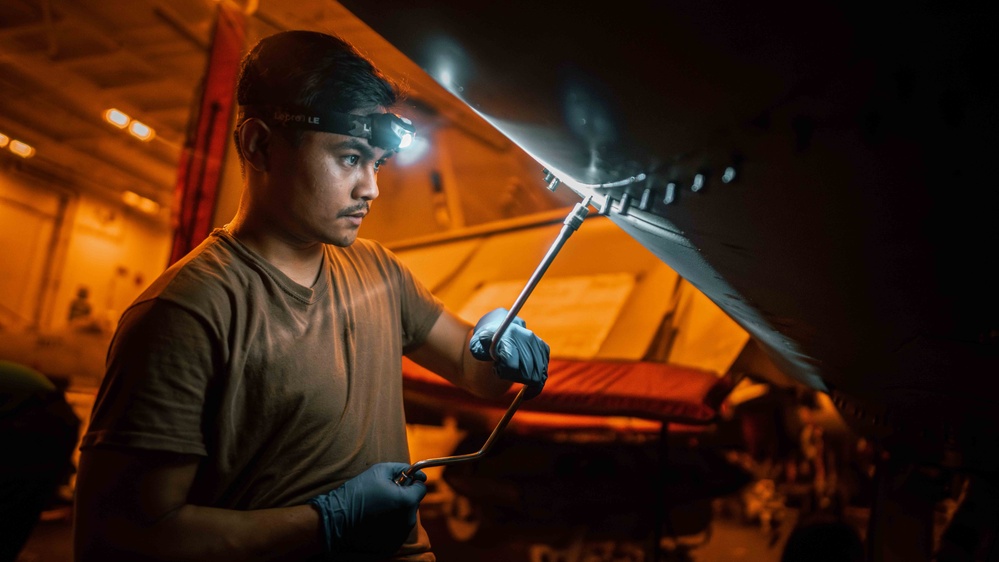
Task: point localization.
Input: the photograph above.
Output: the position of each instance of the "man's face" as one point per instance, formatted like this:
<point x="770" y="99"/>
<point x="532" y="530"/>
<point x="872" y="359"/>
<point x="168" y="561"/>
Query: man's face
<point x="322" y="189"/>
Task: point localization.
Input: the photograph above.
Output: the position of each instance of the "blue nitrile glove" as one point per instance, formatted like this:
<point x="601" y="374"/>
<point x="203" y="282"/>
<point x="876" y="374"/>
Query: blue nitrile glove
<point x="521" y="356"/>
<point x="369" y="517"/>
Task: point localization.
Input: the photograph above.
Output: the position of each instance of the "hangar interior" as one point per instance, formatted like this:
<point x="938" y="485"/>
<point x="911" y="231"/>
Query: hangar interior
<point x="780" y="308"/>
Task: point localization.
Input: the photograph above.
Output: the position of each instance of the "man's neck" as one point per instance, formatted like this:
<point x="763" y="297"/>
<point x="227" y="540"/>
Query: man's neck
<point x="300" y="262"/>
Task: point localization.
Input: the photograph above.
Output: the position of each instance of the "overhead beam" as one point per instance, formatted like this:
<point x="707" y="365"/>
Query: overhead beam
<point x="71" y="11"/>
<point x="81" y="96"/>
<point x="197" y="38"/>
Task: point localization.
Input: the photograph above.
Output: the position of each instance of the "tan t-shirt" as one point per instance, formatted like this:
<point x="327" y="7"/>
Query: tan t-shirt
<point x="286" y="391"/>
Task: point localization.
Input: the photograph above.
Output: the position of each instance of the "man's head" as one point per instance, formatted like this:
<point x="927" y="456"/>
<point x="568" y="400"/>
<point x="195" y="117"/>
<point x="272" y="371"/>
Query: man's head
<point x="307" y="69"/>
<point x="304" y="101"/>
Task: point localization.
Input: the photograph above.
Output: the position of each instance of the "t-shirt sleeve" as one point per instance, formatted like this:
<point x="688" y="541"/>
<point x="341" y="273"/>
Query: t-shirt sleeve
<point x="153" y="395"/>
<point x="420" y="308"/>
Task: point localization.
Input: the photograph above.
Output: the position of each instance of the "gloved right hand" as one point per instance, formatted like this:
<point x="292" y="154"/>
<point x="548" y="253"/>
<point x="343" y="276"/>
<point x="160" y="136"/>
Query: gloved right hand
<point x="370" y="516"/>
<point x="521" y="356"/>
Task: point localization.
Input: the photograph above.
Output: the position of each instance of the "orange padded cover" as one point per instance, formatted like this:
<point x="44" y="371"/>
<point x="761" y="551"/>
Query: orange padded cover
<point x="652" y="391"/>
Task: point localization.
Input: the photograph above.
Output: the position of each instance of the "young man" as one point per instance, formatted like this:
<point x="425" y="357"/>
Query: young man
<point x="252" y="406"/>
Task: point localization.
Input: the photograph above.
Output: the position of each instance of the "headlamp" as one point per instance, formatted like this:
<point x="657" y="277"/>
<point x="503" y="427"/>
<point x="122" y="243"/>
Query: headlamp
<point x="384" y="130"/>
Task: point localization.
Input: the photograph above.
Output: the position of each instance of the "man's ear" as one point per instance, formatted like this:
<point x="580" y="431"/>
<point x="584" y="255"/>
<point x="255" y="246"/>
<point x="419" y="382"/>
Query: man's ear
<point x="254" y="138"/>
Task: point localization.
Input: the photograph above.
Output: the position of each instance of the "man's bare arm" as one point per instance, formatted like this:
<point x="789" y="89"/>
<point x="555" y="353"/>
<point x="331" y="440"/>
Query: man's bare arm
<point x="132" y="505"/>
<point x="446" y="353"/>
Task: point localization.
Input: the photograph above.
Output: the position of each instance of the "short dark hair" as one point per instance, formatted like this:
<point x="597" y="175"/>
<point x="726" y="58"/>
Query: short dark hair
<point x="308" y="69"/>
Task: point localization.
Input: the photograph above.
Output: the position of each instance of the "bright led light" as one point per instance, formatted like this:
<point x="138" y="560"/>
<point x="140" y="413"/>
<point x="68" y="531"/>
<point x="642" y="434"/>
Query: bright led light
<point x="117" y="118"/>
<point x="21" y="149"/>
<point x="406" y="140"/>
<point x="4" y="140"/>
<point x="141" y="131"/>
<point x="418" y="148"/>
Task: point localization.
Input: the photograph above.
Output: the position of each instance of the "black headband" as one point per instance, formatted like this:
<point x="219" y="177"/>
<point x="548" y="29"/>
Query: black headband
<point x="384" y="130"/>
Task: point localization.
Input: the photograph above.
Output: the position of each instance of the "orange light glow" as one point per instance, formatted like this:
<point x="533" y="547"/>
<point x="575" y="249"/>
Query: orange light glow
<point x="141" y="131"/>
<point x="117" y="118"/>
<point x="4" y="140"/>
<point x="139" y="202"/>
<point x="21" y="149"/>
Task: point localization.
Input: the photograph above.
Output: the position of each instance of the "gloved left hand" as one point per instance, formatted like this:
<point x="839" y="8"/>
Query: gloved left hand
<point x="521" y="356"/>
<point x="370" y="516"/>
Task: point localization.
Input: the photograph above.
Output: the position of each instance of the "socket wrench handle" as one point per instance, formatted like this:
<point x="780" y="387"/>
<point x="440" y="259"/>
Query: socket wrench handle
<point x="570" y="225"/>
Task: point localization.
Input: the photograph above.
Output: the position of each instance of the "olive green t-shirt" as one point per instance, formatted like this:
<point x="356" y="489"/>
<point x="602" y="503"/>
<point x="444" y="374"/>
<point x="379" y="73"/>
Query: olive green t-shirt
<point x="286" y="391"/>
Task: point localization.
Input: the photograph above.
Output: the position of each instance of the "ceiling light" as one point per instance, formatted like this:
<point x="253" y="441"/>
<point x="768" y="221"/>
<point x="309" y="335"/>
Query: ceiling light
<point x="139" y="202"/>
<point x="21" y="149"/>
<point x="117" y="118"/>
<point x="4" y="140"/>
<point x="141" y="131"/>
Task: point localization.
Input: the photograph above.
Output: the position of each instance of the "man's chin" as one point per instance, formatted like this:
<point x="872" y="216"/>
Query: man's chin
<point x="343" y="239"/>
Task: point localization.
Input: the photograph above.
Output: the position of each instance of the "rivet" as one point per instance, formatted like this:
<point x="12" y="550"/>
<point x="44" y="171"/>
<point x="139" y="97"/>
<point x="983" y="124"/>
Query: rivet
<point x="605" y="207"/>
<point x="728" y="176"/>
<point x="646" y="200"/>
<point x="698" y="183"/>
<point x="625" y="203"/>
<point x="670" y="195"/>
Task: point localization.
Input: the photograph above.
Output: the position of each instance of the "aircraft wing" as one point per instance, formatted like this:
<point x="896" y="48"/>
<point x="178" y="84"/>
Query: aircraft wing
<point x="821" y="171"/>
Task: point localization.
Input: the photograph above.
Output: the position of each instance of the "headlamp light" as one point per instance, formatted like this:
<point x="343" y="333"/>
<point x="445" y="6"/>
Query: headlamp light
<point x="384" y="130"/>
<point x="391" y="131"/>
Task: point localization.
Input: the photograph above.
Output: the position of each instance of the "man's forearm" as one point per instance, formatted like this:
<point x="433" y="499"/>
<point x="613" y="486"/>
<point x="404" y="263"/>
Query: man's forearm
<point x="481" y="377"/>
<point x="203" y="533"/>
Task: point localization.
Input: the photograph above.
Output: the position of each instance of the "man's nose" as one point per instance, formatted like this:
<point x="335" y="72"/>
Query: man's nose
<point x="367" y="187"/>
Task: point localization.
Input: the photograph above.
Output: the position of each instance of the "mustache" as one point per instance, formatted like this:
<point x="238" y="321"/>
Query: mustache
<point x="364" y="206"/>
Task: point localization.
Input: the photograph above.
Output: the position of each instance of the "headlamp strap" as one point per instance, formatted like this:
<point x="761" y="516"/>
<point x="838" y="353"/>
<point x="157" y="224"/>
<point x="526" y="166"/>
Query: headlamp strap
<point x="315" y="120"/>
<point x="311" y="119"/>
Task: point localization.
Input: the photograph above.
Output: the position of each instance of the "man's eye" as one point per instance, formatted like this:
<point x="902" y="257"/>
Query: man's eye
<point x="352" y="159"/>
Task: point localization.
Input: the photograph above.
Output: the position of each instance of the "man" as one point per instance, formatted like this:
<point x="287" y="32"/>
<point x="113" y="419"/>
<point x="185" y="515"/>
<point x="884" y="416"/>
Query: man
<point x="80" y="307"/>
<point x="252" y="405"/>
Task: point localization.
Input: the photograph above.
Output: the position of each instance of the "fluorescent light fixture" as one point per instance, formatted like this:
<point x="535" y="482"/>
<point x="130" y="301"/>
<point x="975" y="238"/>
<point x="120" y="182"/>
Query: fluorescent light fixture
<point x="117" y="118"/>
<point x="4" y="140"/>
<point x="137" y="129"/>
<point x="139" y="202"/>
<point x="141" y="131"/>
<point x="21" y="149"/>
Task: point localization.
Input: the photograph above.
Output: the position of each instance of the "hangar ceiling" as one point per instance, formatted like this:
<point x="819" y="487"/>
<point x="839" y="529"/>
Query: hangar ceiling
<point x="63" y="63"/>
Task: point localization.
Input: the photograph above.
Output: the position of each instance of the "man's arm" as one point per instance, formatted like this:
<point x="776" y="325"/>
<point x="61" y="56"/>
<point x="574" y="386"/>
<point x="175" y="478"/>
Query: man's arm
<point x="461" y="354"/>
<point x="446" y="352"/>
<point x="132" y="505"/>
